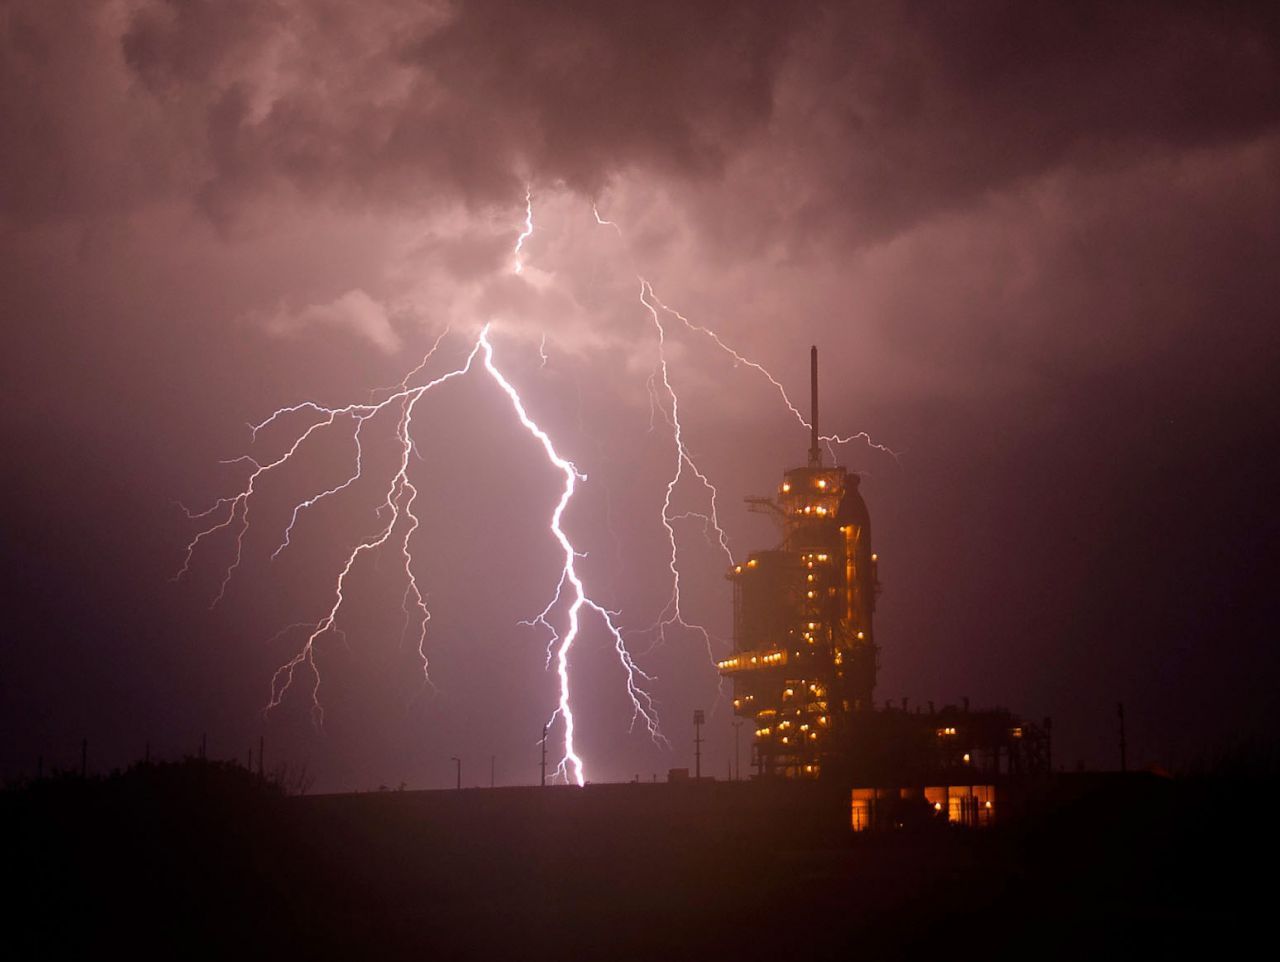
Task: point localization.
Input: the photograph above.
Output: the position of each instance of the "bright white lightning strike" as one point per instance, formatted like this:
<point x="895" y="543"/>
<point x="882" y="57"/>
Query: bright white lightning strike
<point x="398" y="503"/>
<point x="569" y="573"/>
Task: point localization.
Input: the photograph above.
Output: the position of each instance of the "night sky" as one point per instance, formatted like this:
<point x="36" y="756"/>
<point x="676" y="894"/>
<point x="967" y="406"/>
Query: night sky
<point x="1035" y="244"/>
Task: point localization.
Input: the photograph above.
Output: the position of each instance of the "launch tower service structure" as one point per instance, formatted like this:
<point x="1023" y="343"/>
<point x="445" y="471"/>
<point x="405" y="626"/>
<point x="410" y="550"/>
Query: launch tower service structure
<point x="804" y="660"/>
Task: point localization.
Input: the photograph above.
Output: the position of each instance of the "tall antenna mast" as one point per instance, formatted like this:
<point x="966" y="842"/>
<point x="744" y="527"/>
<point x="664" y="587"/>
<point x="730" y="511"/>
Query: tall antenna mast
<point x="815" y="451"/>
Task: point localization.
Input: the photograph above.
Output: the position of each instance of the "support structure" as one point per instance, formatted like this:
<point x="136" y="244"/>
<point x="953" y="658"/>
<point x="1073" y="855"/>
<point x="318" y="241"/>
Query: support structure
<point x="804" y="662"/>
<point x="815" y="447"/>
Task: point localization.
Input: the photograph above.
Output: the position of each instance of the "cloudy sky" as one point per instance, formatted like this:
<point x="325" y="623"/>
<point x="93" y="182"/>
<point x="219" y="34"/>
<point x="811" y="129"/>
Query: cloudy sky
<point x="1035" y="245"/>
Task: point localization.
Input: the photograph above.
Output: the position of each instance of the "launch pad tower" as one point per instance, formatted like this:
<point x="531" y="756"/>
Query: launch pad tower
<point x="804" y="659"/>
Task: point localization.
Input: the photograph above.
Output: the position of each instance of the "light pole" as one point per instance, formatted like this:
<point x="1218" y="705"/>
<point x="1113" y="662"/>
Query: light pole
<point x="698" y="718"/>
<point x="458" y="762"/>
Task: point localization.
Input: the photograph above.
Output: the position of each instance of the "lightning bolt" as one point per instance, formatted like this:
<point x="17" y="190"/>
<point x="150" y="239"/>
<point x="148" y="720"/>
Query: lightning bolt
<point x="570" y="606"/>
<point x="528" y="229"/>
<point x="571" y="764"/>
<point x="395" y="513"/>
<point x="782" y="391"/>
<point x="238" y="505"/>
<point x="739" y="358"/>
<point x="397" y="504"/>
<point x="672" y="615"/>
<point x="360" y="418"/>
<point x="666" y="401"/>
<point x="558" y="645"/>
<point x="604" y="223"/>
<point x="398" y="501"/>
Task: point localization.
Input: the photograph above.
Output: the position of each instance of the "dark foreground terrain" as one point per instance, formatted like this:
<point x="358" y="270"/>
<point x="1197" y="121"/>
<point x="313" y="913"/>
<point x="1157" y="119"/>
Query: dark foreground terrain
<point x="205" y="860"/>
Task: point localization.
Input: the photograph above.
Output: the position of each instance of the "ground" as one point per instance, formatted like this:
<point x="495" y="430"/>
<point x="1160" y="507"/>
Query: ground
<point x="203" y="859"/>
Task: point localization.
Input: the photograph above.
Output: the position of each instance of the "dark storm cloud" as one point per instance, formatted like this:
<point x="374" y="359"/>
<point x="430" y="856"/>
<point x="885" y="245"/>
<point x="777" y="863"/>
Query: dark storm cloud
<point x="176" y="43"/>
<point x="70" y="147"/>
<point x="390" y="101"/>
<point x="594" y="88"/>
<point x="473" y="99"/>
<point x="891" y="111"/>
<point x="900" y="111"/>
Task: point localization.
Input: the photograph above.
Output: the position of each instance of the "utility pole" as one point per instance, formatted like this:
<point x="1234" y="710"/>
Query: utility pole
<point x="698" y="718"/>
<point x="544" y="756"/>
<point x="1124" y="761"/>
<point x="458" y="762"/>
